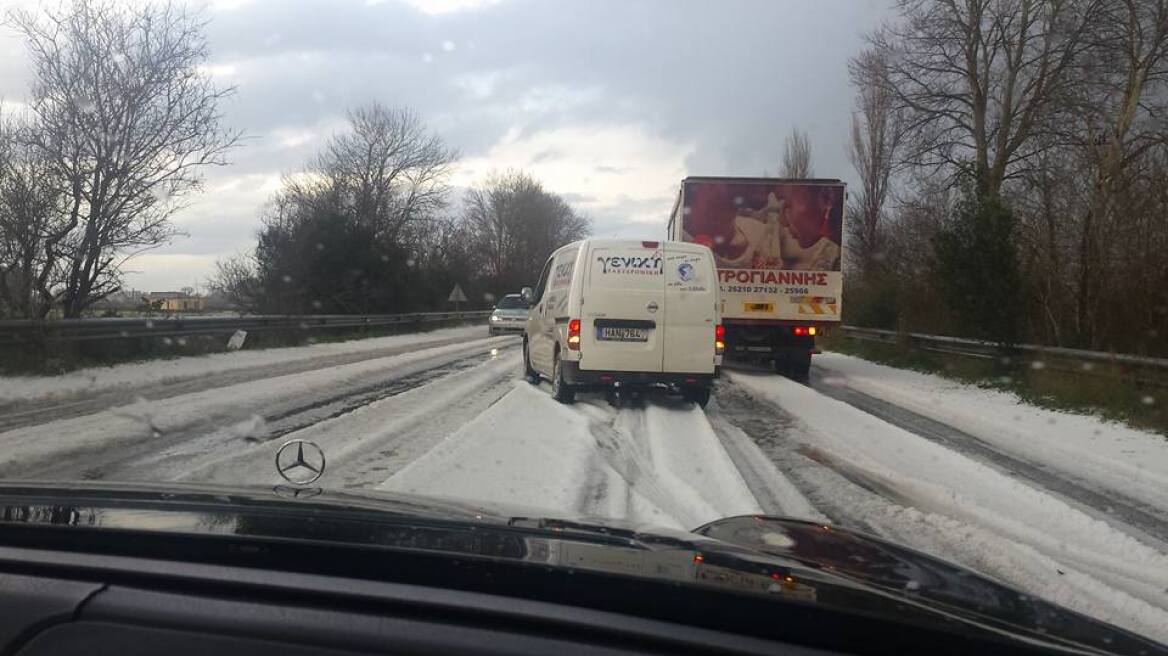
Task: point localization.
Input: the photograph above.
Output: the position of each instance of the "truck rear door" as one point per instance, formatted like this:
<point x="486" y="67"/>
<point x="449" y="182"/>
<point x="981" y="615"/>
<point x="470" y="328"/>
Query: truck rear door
<point x="623" y="324"/>
<point x="691" y="308"/>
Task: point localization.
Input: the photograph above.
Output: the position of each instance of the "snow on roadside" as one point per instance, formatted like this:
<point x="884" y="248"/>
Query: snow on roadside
<point x="28" y="388"/>
<point x="1108" y="454"/>
<point x="776" y="493"/>
<point x="1019" y="565"/>
<point x="529" y="450"/>
<point x="362" y="446"/>
<point x="1005" y="525"/>
<point x="219" y="411"/>
<point x="685" y="447"/>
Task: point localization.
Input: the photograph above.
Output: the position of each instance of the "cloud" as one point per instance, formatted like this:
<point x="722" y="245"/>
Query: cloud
<point x="605" y="166"/>
<point x="610" y="104"/>
<point x="156" y="272"/>
<point x="443" y="6"/>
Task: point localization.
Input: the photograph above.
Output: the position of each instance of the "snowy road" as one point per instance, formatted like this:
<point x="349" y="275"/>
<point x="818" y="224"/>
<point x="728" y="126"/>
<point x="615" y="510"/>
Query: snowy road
<point x="1065" y="507"/>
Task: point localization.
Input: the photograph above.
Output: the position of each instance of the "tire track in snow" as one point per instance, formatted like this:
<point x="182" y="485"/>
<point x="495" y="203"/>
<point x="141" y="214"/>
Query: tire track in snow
<point x="772" y="430"/>
<point x="134" y="454"/>
<point x="371" y="443"/>
<point x="619" y="449"/>
<point x="19" y="414"/>
<point x="1141" y="521"/>
<point x="1096" y="584"/>
<point x="775" y="493"/>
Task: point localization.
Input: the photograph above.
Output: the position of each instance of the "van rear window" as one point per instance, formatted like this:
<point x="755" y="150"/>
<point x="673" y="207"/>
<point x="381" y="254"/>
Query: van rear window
<point x="626" y="268"/>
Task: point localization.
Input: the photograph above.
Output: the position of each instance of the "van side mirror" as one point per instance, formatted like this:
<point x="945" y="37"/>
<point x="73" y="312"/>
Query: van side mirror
<point x="528" y="295"/>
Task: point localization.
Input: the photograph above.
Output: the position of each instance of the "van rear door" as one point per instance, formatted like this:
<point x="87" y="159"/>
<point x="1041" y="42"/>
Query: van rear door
<point x="624" y="301"/>
<point x="691" y="308"/>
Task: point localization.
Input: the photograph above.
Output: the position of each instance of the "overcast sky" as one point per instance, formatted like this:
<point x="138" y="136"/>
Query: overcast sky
<point x="609" y="103"/>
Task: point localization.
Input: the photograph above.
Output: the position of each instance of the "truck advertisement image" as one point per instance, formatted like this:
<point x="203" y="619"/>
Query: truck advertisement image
<point x="767" y="226"/>
<point x="777" y="245"/>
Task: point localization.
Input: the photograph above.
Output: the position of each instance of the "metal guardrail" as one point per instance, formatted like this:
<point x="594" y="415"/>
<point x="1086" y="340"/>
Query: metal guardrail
<point x="1153" y="371"/>
<point x="20" y="331"/>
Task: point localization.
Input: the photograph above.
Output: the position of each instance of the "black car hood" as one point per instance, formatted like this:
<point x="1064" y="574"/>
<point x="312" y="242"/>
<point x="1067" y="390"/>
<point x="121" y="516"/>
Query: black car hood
<point x="794" y="560"/>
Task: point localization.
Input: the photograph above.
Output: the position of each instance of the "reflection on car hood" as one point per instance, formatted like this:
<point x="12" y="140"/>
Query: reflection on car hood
<point x="788" y="559"/>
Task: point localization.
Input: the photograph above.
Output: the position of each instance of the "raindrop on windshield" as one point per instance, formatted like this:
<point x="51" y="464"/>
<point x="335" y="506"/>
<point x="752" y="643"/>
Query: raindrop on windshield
<point x="1037" y="364"/>
<point x="286" y="278"/>
<point x="1148" y="400"/>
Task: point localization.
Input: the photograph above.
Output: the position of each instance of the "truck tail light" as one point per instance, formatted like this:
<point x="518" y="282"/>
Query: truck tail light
<point x="799" y="330"/>
<point x="574" y="334"/>
<point x="719" y="339"/>
<point x="811" y="330"/>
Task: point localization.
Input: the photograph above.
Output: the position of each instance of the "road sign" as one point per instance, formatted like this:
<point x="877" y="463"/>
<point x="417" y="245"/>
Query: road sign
<point x="457" y="295"/>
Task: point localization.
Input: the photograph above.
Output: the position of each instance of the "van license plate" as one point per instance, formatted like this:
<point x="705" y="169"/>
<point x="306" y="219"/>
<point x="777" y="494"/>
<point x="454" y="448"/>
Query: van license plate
<point x="622" y="334"/>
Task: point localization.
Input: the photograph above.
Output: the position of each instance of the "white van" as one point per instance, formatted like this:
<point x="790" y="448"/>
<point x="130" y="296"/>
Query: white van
<point x="629" y="313"/>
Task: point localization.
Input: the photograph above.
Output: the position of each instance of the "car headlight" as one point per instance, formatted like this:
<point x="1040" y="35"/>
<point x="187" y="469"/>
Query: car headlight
<point x="494" y="317"/>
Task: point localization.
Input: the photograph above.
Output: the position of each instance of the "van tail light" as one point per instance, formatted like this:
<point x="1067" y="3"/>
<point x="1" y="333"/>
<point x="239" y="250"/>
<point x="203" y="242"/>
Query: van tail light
<point x="574" y="334"/>
<point x="719" y="339"/>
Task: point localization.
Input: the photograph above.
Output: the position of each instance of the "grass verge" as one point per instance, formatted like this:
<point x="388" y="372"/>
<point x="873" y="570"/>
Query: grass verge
<point x="1103" y="390"/>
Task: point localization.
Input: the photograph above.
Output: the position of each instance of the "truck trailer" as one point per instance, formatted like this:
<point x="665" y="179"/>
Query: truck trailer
<point x="778" y="246"/>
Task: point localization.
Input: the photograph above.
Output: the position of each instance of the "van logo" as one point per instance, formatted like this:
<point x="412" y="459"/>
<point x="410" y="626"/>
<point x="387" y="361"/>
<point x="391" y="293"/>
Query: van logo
<point x="685" y="271"/>
<point x="630" y="264"/>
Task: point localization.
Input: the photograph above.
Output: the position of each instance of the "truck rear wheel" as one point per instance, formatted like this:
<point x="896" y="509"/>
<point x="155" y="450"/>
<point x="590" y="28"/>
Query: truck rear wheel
<point x="799" y="366"/>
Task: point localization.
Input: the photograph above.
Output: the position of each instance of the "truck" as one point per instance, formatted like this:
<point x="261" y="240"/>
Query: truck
<point x="777" y="245"/>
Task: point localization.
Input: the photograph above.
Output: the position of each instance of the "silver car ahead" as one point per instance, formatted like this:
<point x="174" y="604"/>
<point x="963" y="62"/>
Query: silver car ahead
<point x="510" y="315"/>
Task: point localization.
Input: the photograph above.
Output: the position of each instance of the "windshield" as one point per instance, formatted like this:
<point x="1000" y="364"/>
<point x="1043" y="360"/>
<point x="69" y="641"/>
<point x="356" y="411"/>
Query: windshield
<point x="512" y="303"/>
<point x="928" y="297"/>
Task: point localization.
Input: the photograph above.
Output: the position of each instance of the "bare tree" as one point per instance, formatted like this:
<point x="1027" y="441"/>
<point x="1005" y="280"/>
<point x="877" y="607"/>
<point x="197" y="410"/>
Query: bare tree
<point x="28" y="203"/>
<point x="514" y="224"/>
<point x="349" y="233"/>
<point x="877" y="125"/>
<point x="1121" y="103"/>
<point x="796" y="155"/>
<point x="981" y="79"/>
<point x="236" y="278"/>
<point x="386" y="170"/>
<point x="127" y="119"/>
